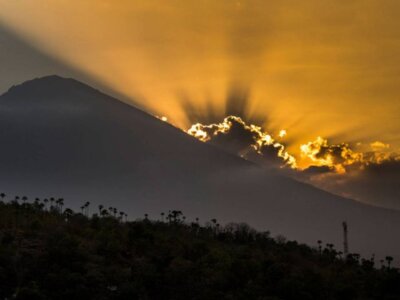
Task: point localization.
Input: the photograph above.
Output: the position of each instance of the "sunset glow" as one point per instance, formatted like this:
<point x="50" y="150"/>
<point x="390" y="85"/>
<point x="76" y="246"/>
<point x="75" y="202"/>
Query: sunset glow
<point x="315" y="68"/>
<point x="314" y="82"/>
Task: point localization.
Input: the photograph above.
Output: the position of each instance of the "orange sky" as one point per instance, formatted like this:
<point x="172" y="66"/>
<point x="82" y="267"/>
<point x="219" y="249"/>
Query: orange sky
<point x="314" y="68"/>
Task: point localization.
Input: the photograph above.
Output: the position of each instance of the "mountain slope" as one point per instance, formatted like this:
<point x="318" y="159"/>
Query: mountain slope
<point x="62" y="138"/>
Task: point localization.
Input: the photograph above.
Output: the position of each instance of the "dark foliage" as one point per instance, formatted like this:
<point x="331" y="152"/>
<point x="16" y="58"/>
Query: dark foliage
<point x="47" y="252"/>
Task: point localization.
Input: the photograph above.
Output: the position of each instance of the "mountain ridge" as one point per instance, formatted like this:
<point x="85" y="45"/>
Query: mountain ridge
<point x="88" y="146"/>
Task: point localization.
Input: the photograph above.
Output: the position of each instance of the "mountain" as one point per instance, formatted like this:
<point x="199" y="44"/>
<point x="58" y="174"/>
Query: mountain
<point x="62" y="138"/>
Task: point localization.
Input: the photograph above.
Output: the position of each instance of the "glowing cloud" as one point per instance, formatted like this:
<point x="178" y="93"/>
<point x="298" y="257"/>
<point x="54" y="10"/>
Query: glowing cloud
<point x="316" y="157"/>
<point x="379" y="146"/>
<point x="337" y="156"/>
<point x="247" y="140"/>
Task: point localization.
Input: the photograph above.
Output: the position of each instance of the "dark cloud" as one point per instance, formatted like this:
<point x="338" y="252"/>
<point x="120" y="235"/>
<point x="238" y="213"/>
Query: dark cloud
<point x="268" y="156"/>
<point x="374" y="183"/>
<point x="314" y="170"/>
<point x="338" y="152"/>
<point x="237" y="140"/>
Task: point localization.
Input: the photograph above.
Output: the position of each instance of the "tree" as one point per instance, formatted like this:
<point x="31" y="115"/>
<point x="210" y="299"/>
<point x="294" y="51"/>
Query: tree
<point x="86" y="208"/>
<point x="319" y="246"/>
<point x="68" y="213"/>
<point x="51" y="202"/>
<point x="100" y="209"/>
<point x="175" y="216"/>
<point x="45" y="203"/>
<point x="389" y="260"/>
<point x="61" y="203"/>
<point x="214" y="222"/>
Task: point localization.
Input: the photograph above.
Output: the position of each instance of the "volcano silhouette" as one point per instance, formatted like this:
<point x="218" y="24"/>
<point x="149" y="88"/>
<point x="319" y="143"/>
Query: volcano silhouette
<point x="62" y="138"/>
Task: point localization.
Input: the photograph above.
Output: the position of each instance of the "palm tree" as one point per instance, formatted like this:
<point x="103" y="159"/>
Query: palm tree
<point x="51" y="203"/>
<point x="86" y="207"/>
<point x="389" y="260"/>
<point x="45" y="203"/>
<point x="319" y="246"/>
<point x="57" y="205"/>
<point x="146" y="216"/>
<point x="175" y="215"/>
<point x="104" y="212"/>
<point x="100" y="208"/>
<point x="169" y="216"/>
<point x="330" y="246"/>
<point x="37" y="203"/>
<point x="68" y="212"/>
<point x="162" y="217"/>
<point x="2" y="196"/>
<point x="24" y="199"/>
<point x="61" y="203"/>
<point x="382" y="263"/>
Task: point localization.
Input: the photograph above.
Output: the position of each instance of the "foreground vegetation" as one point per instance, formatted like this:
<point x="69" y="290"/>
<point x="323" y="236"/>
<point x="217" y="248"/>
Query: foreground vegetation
<point x="48" y="252"/>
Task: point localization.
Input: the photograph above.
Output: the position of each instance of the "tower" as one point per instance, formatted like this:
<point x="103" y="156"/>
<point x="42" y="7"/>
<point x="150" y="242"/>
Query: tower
<point x="345" y="241"/>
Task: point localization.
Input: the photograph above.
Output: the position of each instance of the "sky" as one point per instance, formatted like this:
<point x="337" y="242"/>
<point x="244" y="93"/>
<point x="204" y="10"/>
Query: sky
<point x="326" y="72"/>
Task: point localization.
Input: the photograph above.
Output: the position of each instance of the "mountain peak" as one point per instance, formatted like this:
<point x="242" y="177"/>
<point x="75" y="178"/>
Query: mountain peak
<point x="49" y="85"/>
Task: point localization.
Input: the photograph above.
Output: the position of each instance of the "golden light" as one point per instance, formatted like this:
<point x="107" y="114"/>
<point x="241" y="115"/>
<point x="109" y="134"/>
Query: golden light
<point x="284" y="52"/>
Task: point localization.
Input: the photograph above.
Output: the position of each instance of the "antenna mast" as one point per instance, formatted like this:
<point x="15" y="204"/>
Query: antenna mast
<point x="345" y="240"/>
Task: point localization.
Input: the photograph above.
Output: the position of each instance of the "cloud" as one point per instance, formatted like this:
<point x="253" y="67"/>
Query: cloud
<point x="247" y="140"/>
<point x="335" y="156"/>
<point x="316" y="170"/>
<point x="376" y="183"/>
<point x="379" y="146"/>
<point x="372" y="177"/>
